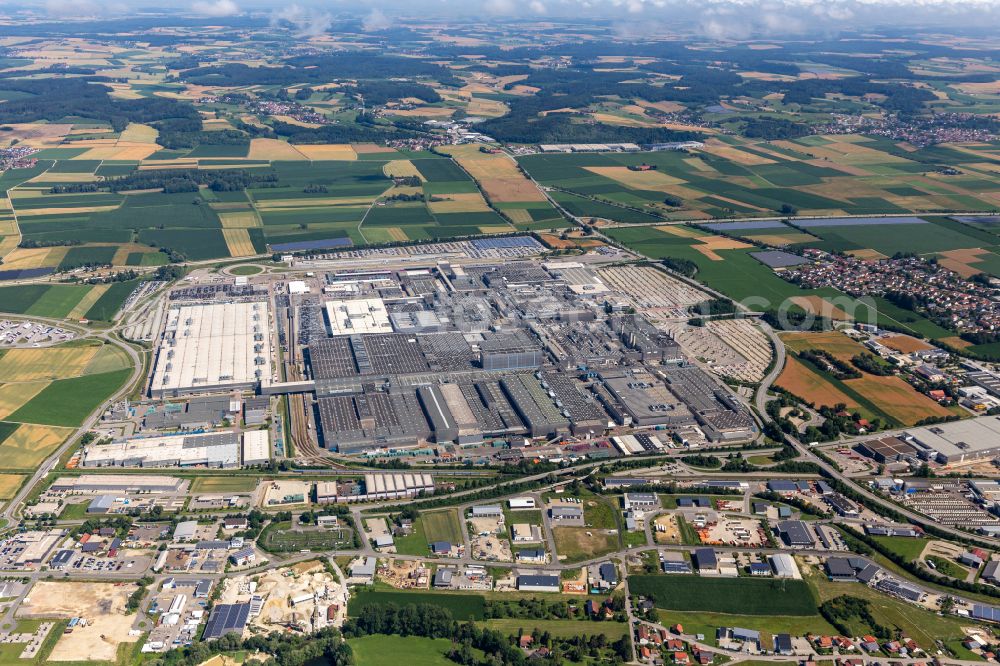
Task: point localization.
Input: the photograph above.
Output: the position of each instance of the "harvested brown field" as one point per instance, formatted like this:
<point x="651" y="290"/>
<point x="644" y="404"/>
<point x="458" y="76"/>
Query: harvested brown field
<point x="709" y="246"/>
<point x="868" y="254"/>
<point x="273" y="149"/>
<point x="371" y="148"/>
<point x="782" y="239"/>
<point x="681" y="230"/>
<point x="956" y="342"/>
<point x="804" y="382"/>
<point x="819" y="307"/>
<point x="962" y="261"/>
<point x="833" y="342"/>
<point x="505" y="190"/>
<point x="466" y="202"/>
<point x="494" y="229"/>
<point x="905" y="344"/>
<point x="733" y="154"/>
<point x="665" y="106"/>
<point x="34" y="257"/>
<point x="897" y="398"/>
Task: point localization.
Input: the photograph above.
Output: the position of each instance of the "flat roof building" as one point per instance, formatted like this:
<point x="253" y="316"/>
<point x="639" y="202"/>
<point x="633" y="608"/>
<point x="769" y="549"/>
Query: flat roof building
<point x="256" y="447"/>
<point x="220" y="450"/>
<point x="362" y="315"/>
<point x="958" y="441"/>
<point x="213" y="347"/>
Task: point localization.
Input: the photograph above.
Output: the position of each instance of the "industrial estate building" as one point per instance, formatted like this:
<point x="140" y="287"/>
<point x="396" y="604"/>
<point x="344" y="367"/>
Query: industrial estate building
<point x="213" y="449"/>
<point x="212" y="347"/>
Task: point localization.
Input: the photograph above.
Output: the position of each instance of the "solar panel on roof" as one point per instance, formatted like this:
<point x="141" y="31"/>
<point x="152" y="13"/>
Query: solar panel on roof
<point x="226" y="618"/>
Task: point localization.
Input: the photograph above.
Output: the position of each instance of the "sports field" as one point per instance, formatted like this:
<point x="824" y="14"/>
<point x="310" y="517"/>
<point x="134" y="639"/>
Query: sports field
<point x="737" y="596"/>
<point x="282" y="538"/>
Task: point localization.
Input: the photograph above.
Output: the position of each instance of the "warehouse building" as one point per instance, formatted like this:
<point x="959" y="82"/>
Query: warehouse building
<point x="536" y="408"/>
<point x="362" y="315"/>
<point x="117" y="483"/>
<point x="538" y="583"/>
<point x="256" y="447"/>
<point x="509" y="351"/>
<point x="212" y="347"/>
<point x="958" y="441"/>
<point x="887" y="450"/>
<point x="645" y="400"/>
<point x="373" y="420"/>
<point x="217" y="450"/>
<point x="395" y="486"/>
<point x="438" y="414"/>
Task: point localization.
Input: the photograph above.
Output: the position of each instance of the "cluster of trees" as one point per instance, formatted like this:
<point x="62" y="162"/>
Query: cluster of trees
<point x="872" y="364"/>
<point x="286" y="649"/>
<point x="188" y="180"/>
<point x="840" y="611"/>
<point x="685" y="267"/>
<point x="361" y="66"/>
<point x="824" y="361"/>
<point x="31" y="242"/>
<point x="542" y="609"/>
<point x="55" y="98"/>
<point x="702" y="460"/>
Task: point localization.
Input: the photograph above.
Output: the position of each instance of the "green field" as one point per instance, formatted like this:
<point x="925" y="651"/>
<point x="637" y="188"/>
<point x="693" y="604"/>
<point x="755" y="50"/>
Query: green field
<point x="462" y="606"/>
<point x="381" y="650"/>
<point x="68" y="402"/>
<point x="430" y="527"/>
<point x="736" y="596"/>
<point x="224" y="484"/>
<point x="904" y="546"/>
<point x="707" y="623"/>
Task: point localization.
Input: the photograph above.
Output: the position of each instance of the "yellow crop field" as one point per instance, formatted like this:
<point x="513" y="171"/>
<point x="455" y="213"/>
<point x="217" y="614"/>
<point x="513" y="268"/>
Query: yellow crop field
<point x="519" y="216"/>
<point x="33" y="212"/>
<point x="290" y="204"/>
<point x="26" y="365"/>
<point x="466" y="202"/>
<point x="238" y="242"/>
<point x="328" y="151"/>
<point x="127" y="152"/>
<point x="138" y="133"/>
<point x="88" y="300"/>
<point x="29" y="445"/>
<point x="637" y="180"/>
<point x="273" y="149"/>
<point x="244" y="219"/>
<point x="494" y="229"/>
<point x="401" y="169"/>
<point x="9" y="483"/>
<point x="14" y="396"/>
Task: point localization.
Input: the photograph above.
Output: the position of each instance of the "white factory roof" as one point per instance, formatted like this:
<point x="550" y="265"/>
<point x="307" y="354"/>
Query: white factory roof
<point x="298" y="287"/>
<point x="212" y="346"/>
<point x="363" y="315"/>
<point x="959" y="437"/>
<point x="211" y="448"/>
<point x="256" y="447"/>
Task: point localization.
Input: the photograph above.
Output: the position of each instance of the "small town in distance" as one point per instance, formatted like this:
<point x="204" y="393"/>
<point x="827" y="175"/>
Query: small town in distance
<point x="521" y="335"/>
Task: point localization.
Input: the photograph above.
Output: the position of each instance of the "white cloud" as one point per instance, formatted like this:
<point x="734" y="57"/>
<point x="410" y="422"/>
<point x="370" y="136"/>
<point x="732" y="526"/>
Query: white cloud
<point x="216" y="8"/>
<point x="376" y="20"/>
